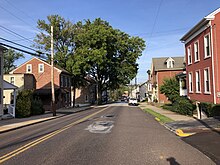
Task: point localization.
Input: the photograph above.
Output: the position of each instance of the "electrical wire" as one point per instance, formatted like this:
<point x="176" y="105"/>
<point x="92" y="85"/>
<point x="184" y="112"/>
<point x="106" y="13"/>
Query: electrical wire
<point x="24" y="51"/>
<point x="155" y="20"/>
<point x="11" y="4"/>
<point x="18" y="18"/>
<point x="17" y="44"/>
<point x="6" y="29"/>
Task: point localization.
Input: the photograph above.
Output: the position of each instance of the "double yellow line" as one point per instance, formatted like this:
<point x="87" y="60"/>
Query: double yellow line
<point x="48" y="136"/>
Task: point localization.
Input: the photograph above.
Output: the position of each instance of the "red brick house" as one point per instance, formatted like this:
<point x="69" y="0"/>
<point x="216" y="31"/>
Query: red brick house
<point x="202" y="54"/>
<point x="41" y="71"/>
<point x="161" y="68"/>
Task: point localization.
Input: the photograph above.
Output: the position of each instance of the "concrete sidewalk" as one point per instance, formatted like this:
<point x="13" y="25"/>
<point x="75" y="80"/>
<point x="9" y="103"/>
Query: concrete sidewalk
<point x="15" y="123"/>
<point x="185" y="124"/>
<point x="172" y="115"/>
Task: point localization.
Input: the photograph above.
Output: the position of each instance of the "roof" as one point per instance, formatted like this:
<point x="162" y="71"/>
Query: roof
<point x="7" y="85"/>
<point x="160" y="63"/>
<point x="56" y="67"/>
<point x="201" y="24"/>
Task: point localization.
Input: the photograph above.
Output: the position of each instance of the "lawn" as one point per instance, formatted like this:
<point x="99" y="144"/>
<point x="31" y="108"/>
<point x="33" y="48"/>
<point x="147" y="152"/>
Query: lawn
<point x="162" y="118"/>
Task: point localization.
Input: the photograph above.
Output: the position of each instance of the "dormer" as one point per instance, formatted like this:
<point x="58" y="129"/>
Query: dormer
<point x="169" y="62"/>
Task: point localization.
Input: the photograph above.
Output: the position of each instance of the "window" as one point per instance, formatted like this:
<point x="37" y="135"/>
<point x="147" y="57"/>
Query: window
<point x="189" y="55"/>
<point x="190" y="83"/>
<point x="86" y="99"/>
<point x="198" y="82"/>
<point x="207" y="46"/>
<point x="196" y="51"/>
<point x="28" y="68"/>
<point x="61" y="81"/>
<point x="12" y="80"/>
<point x="0" y="65"/>
<point x="206" y="81"/>
<point x="40" y="68"/>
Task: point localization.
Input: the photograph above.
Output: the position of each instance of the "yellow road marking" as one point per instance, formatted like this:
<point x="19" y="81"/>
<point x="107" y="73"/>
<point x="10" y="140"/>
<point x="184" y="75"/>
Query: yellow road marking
<point x="48" y="136"/>
<point x="180" y="133"/>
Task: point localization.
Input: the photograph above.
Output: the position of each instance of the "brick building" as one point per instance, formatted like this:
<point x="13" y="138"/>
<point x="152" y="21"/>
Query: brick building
<point x="41" y="71"/>
<point x="161" y="68"/>
<point x="202" y="54"/>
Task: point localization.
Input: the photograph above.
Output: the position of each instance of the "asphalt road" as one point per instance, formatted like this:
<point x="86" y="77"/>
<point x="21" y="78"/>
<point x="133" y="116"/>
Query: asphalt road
<point x="115" y="135"/>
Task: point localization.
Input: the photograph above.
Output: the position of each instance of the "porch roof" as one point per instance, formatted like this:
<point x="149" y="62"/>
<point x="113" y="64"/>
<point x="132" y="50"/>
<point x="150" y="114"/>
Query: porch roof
<point x="7" y="85"/>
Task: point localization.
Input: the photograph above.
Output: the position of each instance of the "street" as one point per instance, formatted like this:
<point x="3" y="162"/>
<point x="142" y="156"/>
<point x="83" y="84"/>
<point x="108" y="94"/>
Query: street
<point x="109" y="135"/>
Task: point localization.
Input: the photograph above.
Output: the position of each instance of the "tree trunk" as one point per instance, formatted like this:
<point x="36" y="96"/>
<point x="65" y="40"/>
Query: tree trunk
<point x="74" y="94"/>
<point x="99" y="93"/>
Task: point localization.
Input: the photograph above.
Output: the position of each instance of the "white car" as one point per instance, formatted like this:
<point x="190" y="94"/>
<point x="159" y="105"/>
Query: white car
<point x="132" y="101"/>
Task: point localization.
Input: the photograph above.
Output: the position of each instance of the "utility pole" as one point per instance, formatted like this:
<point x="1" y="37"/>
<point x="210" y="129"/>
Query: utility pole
<point x="52" y="75"/>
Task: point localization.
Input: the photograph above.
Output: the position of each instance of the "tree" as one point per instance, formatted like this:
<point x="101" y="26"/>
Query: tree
<point x="170" y="89"/>
<point x="9" y="59"/>
<point x="108" y="55"/>
<point x="63" y="38"/>
<point x="64" y="45"/>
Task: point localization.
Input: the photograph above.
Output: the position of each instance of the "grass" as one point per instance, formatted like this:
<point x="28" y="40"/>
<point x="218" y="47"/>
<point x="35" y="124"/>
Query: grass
<point x="161" y="118"/>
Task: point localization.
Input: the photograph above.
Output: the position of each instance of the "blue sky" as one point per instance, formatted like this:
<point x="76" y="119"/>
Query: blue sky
<point x="161" y="23"/>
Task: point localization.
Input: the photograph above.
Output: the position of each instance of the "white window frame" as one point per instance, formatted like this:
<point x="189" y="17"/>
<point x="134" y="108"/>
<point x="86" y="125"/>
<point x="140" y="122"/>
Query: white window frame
<point x="12" y="81"/>
<point x="205" y="79"/>
<point x="196" y="51"/>
<point x="205" y="45"/>
<point x="198" y="80"/>
<point x="189" y="55"/>
<point x="39" y="68"/>
<point x="190" y="82"/>
<point x="29" y="65"/>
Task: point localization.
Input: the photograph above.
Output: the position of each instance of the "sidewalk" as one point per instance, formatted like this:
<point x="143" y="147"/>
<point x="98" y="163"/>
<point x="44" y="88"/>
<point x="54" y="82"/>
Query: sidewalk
<point x="15" y="123"/>
<point x="185" y="124"/>
<point x="172" y="115"/>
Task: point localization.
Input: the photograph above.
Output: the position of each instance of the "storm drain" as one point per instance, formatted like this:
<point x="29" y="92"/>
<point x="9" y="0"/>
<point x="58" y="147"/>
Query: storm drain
<point x="108" y="116"/>
<point x="100" y="127"/>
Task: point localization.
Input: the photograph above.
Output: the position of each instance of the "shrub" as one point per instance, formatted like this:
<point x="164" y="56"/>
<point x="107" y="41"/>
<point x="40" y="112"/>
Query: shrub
<point x="182" y="105"/>
<point x="37" y="107"/>
<point x="210" y="109"/>
<point x="23" y="103"/>
<point x="216" y="110"/>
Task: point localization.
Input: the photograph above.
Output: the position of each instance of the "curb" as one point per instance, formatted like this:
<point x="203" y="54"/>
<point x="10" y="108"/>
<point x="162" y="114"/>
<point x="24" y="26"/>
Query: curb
<point x="37" y="122"/>
<point x="180" y="133"/>
<point x="25" y="125"/>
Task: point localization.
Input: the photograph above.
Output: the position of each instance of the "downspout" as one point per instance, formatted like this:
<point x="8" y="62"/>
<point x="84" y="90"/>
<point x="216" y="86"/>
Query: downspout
<point x="213" y="65"/>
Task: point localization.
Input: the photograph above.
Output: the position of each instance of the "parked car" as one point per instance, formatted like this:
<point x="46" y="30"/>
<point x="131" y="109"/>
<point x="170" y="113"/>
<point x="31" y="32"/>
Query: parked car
<point x="132" y="101"/>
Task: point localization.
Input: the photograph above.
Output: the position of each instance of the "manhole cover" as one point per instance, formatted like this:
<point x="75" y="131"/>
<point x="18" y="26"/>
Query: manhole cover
<point x="100" y="127"/>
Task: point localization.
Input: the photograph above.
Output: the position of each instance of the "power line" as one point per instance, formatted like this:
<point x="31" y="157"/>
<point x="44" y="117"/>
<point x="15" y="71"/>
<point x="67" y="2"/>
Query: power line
<point x="20" y="10"/>
<point x="18" y="18"/>
<point x="8" y="30"/>
<point x="21" y="50"/>
<point x="17" y="44"/>
<point x="155" y="20"/>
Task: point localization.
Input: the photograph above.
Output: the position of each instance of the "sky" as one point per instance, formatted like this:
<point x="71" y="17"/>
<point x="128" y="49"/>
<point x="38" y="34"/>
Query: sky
<point x="161" y="23"/>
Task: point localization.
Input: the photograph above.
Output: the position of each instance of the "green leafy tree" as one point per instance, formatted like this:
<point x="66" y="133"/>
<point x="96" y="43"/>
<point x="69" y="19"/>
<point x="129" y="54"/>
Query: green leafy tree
<point x="107" y="54"/>
<point x="170" y="89"/>
<point x="10" y="56"/>
<point x="63" y="38"/>
<point x="64" y="45"/>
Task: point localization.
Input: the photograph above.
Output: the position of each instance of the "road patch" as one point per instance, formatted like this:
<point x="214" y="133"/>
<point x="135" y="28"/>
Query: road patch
<point x="100" y="127"/>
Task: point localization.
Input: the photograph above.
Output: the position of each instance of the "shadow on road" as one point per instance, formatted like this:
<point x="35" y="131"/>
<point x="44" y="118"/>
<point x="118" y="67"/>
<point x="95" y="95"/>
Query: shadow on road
<point x="208" y="126"/>
<point x="172" y="161"/>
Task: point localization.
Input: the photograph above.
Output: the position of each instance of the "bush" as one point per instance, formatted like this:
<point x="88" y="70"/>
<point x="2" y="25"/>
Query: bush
<point x="27" y="105"/>
<point x="23" y="104"/>
<point x="37" y="107"/>
<point x="182" y="105"/>
<point x="210" y="109"/>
